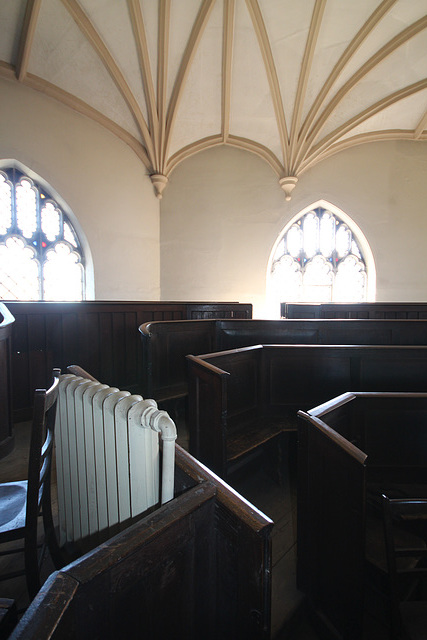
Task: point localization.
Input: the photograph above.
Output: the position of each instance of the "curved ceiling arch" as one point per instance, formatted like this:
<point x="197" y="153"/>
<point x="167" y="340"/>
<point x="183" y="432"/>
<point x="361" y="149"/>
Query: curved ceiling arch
<point x="291" y="82"/>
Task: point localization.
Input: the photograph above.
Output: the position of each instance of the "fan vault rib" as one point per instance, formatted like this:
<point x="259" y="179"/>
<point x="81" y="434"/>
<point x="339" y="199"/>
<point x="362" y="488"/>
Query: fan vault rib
<point x="313" y="34"/>
<point x="110" y="64"/>
<point x="354" y="45"/>
<point x="373" y="61"/>
<point x="364" y="115"/>
<point x="273" y="80"/>
<point x="144" y="62"/>
<point x="27" y="36"/>
<point x="194" y="39"/>
<point x="227" y="55"/>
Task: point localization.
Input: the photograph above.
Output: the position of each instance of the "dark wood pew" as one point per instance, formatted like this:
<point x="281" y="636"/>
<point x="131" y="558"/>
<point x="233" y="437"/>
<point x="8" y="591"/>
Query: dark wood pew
<point x="6" y="414"/>
<point x="361" y="310"/>
<point x="243" y="398"/>
<point x="102" y="336"/>
<point x="350" y="451"/>
<point x="165" y="344"/>
<point x="198" y="567"/>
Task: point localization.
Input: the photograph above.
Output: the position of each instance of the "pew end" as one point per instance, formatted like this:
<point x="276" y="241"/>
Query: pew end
<point x="351" y="450"/>
<point x="198" y="567"/>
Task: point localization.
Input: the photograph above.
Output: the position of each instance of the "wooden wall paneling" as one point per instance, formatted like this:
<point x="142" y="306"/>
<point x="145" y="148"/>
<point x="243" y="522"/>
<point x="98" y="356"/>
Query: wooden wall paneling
<point x="118" y="342"/>
<point x="21" y="391"/>
<point x="357" y="310"/>
<point x="96" y="335"/>
<point x="89" y="346"/>
<point x="37" y="352"/>
<point x="69" y="338"/>
<point x="106" y="347"/>
<point x="54" y="343"/>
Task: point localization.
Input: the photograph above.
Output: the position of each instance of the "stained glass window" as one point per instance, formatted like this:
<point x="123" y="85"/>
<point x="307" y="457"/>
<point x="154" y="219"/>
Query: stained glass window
<point x="319" y="260"/>
<point x="40" y="253"/>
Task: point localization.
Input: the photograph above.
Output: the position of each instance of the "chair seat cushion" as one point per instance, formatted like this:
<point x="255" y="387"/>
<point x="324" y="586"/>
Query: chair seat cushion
<point x="13" y="503"/>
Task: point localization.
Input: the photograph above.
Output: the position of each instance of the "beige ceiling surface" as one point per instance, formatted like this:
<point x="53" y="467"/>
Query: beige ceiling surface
<point x="291" y="80"/>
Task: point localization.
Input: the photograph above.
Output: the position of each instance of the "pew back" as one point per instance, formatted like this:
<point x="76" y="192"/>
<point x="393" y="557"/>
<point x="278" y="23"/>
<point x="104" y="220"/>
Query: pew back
<point x="102" y="336"/>
<point x="379" y="310"/>
<point x="264" y="386"/>
<point x="165" y="344"/>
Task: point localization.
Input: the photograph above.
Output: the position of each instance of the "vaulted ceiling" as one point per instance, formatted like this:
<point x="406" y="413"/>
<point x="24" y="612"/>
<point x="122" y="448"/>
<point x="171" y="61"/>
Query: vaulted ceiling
<point x="293" y="81"/>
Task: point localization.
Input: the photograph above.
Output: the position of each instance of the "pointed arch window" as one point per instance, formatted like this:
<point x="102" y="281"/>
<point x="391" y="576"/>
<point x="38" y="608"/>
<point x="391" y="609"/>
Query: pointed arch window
<point x="319" y="259"/>
<point x="41" y="257"/>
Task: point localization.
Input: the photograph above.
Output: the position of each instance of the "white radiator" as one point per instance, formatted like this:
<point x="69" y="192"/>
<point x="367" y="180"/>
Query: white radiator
<point x="107" y="456"/>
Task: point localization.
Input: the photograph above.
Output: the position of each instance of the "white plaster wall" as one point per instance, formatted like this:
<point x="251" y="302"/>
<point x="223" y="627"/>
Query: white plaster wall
<point x="100" y="179"/>
<point x="223" y="210"/>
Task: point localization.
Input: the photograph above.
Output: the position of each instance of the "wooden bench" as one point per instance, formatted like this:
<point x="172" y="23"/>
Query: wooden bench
<point x="198" y="567"/>
<point x="375" y="310"/>
<point x="165" y="344"/>
<point x="242" y="398"/>
<point x="350" y="451"/>
<point x="102" y="336"/>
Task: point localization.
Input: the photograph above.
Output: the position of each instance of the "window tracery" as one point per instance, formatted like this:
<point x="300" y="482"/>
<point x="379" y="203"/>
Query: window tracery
<point x="40" y="253"/>
<point x="319" y="259"/>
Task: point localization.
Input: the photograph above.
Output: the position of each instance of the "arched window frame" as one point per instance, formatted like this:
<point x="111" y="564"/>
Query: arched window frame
<point x="44" y="193"/>
<point x="363" y="245"/>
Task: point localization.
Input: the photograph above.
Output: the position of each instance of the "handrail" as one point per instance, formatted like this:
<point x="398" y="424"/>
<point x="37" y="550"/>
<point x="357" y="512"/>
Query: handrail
<point x="334" y="437"/>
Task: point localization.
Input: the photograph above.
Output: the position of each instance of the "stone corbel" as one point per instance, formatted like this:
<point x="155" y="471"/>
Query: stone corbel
<point x="288" y="185"/>
<point x="159" y="182"/>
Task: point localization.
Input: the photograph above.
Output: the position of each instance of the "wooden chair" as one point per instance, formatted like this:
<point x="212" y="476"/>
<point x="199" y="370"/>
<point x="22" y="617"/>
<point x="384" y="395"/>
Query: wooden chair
<point x="22" y="502"/>
<point x="407" y="567"/>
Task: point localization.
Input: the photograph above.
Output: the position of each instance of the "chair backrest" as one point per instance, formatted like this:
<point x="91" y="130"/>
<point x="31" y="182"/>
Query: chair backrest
<point x="41" y="448"/>
<point x="407" y="561"/>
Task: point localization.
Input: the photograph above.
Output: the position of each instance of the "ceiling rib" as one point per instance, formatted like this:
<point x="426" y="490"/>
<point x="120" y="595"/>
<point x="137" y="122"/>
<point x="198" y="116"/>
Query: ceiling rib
<point x="420" y="127"/>
<point x="362" y="138"/>
<point x="190" y="50"/>
<point x="301" y="147"/>
<point x="354" y="45"/>
<point x="27" y="36"/>
<point x="270" y="67"/>
<point x="60" y="95"/>
<point x="7" y="70"/>
<point x="315" y="24"/>
<point x="35" y="82"/>
<point x="191" y="149"/>
<point x="259" y="149"/>
<point x="391" y="46"/>
<point x="144" y="62"/>
<point x="162" y="76"/>
<point x="367" y="113"/>
<point x="110" y="64"/>
<point x="227" y="56"/>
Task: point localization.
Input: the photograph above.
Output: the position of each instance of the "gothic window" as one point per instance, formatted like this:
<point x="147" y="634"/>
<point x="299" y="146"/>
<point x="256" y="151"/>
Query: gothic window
<point x="40" y="254"/>
<point x="318" y="259"/>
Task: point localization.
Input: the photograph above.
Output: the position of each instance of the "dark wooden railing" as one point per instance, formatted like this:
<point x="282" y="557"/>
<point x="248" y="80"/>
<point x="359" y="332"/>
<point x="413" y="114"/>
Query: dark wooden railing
<point x="356" y="310"/>
<point x="242" y="398"/>
<point x="165" y="344"/>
